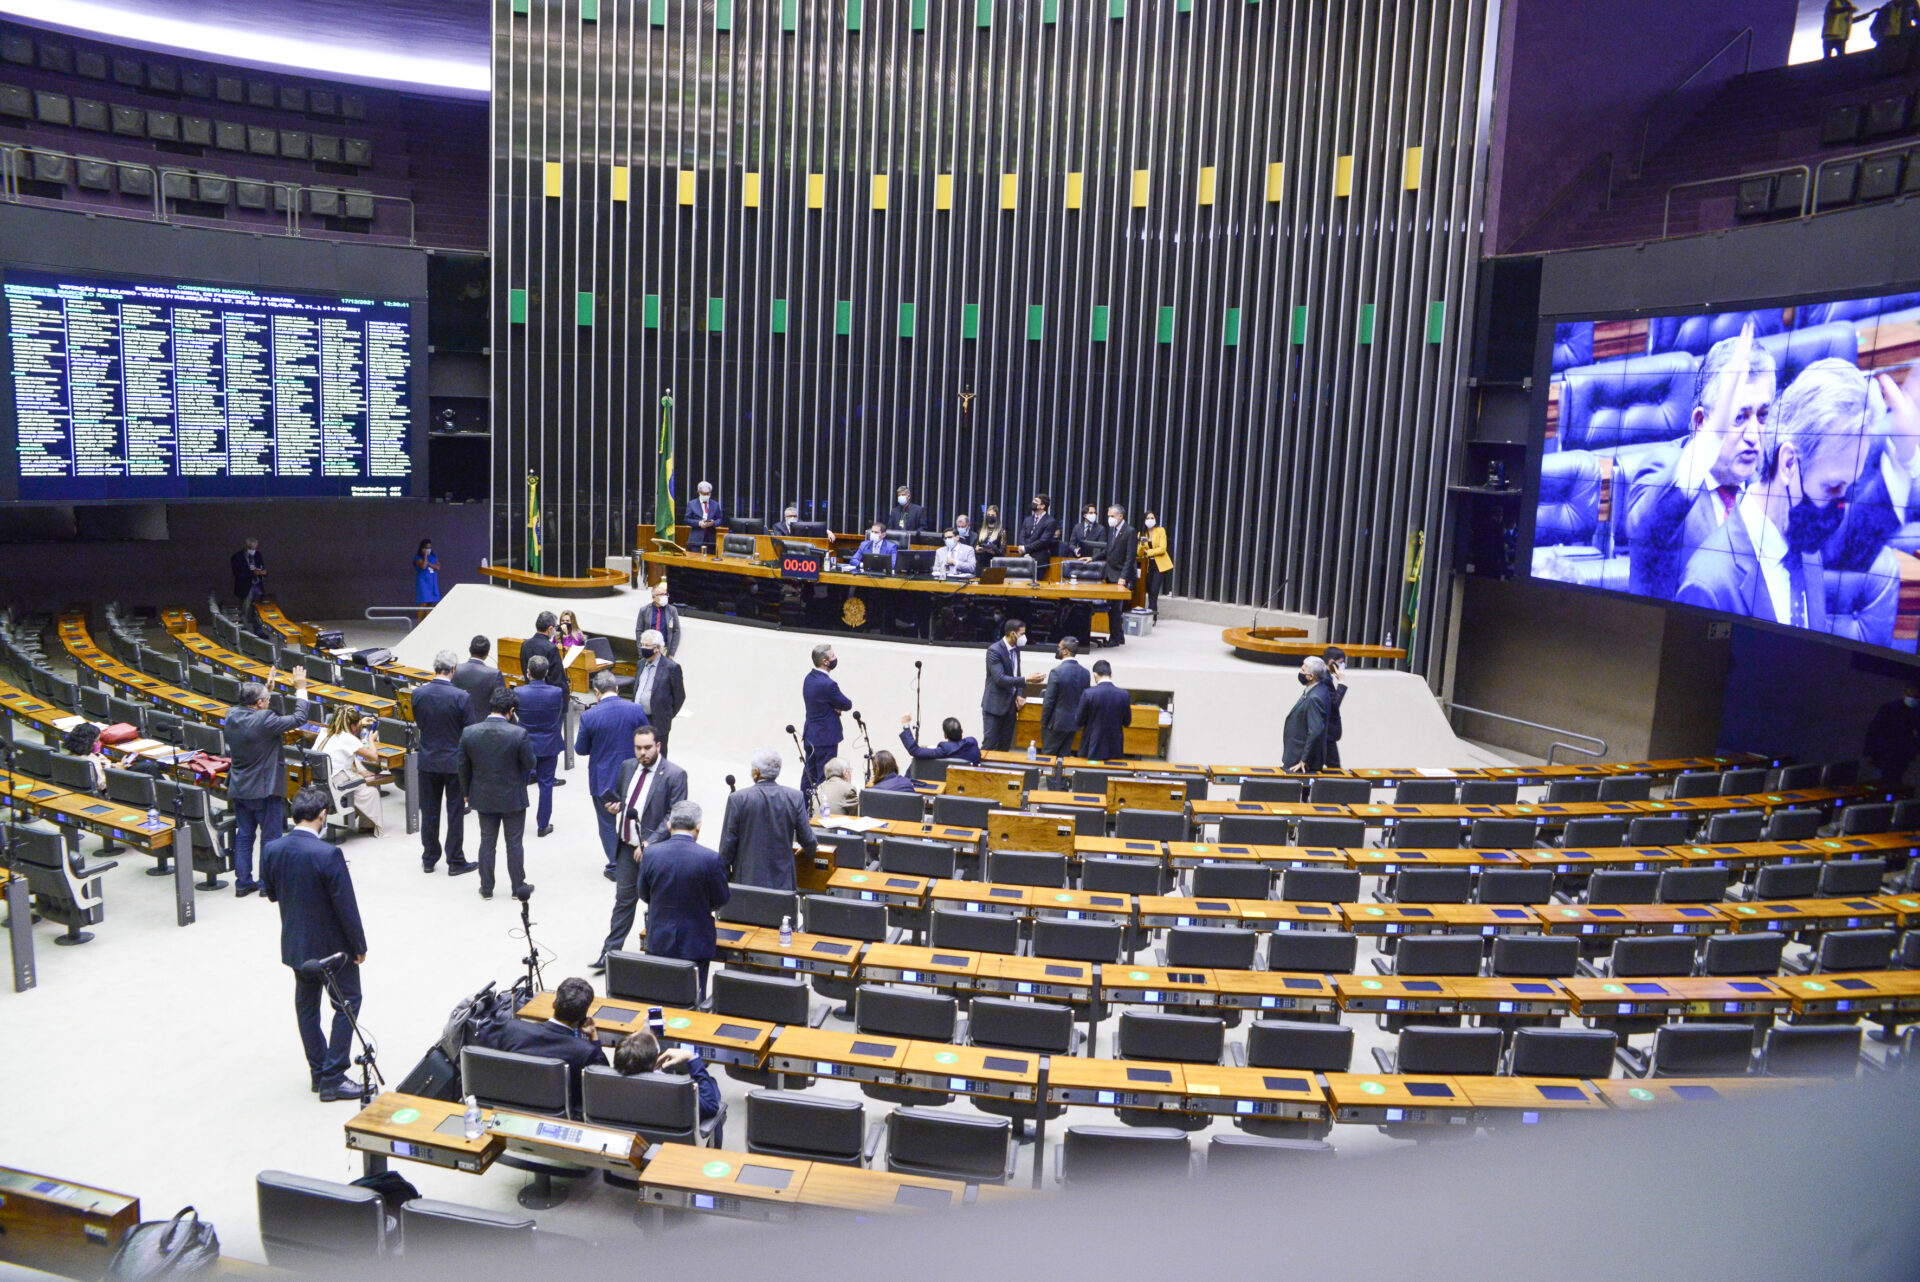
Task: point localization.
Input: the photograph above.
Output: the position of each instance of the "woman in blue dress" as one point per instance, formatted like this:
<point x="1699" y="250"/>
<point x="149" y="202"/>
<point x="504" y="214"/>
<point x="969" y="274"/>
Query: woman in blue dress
<point x="426" y="575"/>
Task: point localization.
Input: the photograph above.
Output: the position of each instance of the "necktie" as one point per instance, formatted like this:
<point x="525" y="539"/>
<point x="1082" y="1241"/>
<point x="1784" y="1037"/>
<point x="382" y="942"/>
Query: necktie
<point x="1727" y="493"/>
<point x="1796" y="590"/>
<point x="627" y="832"/>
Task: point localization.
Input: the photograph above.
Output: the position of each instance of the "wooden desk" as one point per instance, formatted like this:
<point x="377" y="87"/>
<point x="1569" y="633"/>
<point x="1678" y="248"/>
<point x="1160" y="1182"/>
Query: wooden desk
<point x="980" y="897"/>
<point x="599" y="581"/>
<point x="1128" y="984"/>
<point x="1191" y="854"/>
<point x="1121" y="847"/>
<point x="1003" y="787"/>
<point x="1274" y="1093"/>
<point x="943" y="968"/>
<point x="1116" y="1083"/>
<point x="134" y="684"/>
<point x="1285" y="914"/>
<point x="1265" y="643"/>
<point x="964" y="839"/>
<point x="199" y="645"/>
<point x="1377" y="813"/>
<point x="1890" y="997"/>
<point x="860" y="1057"/>
<point x="117" y="824"/>
<point x="1810" y="916"/>
<point x="1630" y="919"/>
<point x="1088" y="801"/>
<point x="972" y="1070"/>
<point x="1021" y="830"/>
<point x="1384" y="861"/>
<point x="893" y="888"/>
<point x="1905" y="908"/>
<point x="419" y="1129"/>
<point x="59" y="1226"/>
<point x="579" y="671"/>
<point x="1274" y="990"/>
<point x="810" y="954"/>
<point x="1042" y="977"/>
<point x="1398" y="1099"/>
<point x="1212" y="811"/>
<point x="1677" y="995"/>
<point x="724" y="1039"/>
<point x="1587" y="859"/>
<point x="1144" y="794"/>
<point x="604" y="1148"/>
<point x="746" y="1187"/>
<point x="1158" y="912"/>
<point x="1439" y="919"/>
<point x="1461" y="995"/>
<point x="1528" y="1100"/>
<point x="1082" y="905"/>
<point x="859" y="1191"/>
<point x="1632" y="1094"/>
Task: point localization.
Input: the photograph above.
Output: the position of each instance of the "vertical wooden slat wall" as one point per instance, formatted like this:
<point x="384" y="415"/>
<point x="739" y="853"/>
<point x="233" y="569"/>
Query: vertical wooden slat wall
<point x="1180" y="251"/>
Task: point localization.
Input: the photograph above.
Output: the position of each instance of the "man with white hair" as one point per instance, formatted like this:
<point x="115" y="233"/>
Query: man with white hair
<point x="762" y="823"/>
<point x="1766" y="562"/>
<point x="441" y="710"/>
<point x="704" y="518"/>
<point x="836" y="793"/>
<point x="1684" y="489"/>
<point x="658" y="686"/>
<point x="1305" y="736"/>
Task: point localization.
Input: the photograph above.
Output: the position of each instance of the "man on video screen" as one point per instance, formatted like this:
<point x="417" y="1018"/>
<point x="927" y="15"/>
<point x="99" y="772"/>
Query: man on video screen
<point x="1765" y="560"/>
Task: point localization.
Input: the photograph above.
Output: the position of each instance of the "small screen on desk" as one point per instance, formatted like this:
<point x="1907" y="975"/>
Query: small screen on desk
<point x="1149" y="1075"/>
<point x="1695" y="1092"/>
<point x="1213" y="905"/>
<point x="554" y="1131"/>
<point x="875" y="1050"/>
<point x="902" y="881"/>
<point x="736" y="1032"/>
<point x="950" y="959"/>
<point x="1422" y="986"/>
<point x="1561" y="1092"/>
<point x="1001" y="892"/>
<point x="611" y="1012"/>
<point x="1416" y="912"/>
<point x="1646" y="988"/>
<point x="1065" y="972"/>
<point x="1430" y="1090"/>
<point x="1851" y="983"/>
<point x="1285" y="1083"/>
<point x="96" y="810"/>
<point x="1186" y="977"/>
<point x="1605" y="912"/>
<point x="1291" y="982"/>
<point x="1107" y="901"/>
<point x="1509" y="913"/>
<point x="920" y="1195"/>
<point x="1001" y="1064"/>
<point x="1738" y="987"/>
<point x="766" y="1177"/>
<point x="836" y="950"/>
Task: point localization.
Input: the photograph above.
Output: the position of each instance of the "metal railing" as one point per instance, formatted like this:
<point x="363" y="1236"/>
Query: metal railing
<point x="14" y="155"/>
<point x="1660" y="108"/>
<point x="1600" y="751"/>
<point x="410" y="613"/>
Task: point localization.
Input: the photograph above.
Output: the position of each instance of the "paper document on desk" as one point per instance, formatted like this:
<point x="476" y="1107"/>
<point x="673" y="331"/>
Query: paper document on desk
<point x="139" y="745"/>
<point x="1433" y="772"/>
<point x="852" y="823"/>
<point x="67" y="723"/>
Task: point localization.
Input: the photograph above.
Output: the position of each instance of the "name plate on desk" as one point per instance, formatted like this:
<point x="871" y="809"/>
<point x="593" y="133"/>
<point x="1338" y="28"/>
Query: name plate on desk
<point x="545" y="1136"/>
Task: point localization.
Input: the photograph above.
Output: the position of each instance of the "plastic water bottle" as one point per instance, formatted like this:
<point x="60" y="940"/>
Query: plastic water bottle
<point x="786" y="932"/>
<point x="153" y="819"/>
<point x="1033" y="751"/>
<point x="474" y="1126"/>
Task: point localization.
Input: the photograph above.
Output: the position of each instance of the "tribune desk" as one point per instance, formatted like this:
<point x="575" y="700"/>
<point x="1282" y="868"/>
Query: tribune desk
<point x="59" y="1226"/>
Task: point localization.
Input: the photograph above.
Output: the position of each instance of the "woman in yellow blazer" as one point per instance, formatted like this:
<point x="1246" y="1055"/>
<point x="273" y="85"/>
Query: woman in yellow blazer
<point x="1159" y="564"/>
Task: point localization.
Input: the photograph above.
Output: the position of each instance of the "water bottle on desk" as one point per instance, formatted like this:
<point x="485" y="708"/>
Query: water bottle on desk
<point x="786" y="932"/>
<point x="1033" y="751"/>
<point x="153" y="820"/>
<point x="475" y="1128"/>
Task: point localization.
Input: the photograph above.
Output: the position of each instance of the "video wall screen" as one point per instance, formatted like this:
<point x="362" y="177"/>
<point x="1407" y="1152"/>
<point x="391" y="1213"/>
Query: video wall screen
<point x="141" y="390"/>
<point x="1761" y="462"/>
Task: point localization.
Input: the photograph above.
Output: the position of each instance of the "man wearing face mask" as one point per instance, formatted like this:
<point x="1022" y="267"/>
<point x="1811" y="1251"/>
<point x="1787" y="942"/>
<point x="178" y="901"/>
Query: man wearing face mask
<point x="824" y="702"/>
<point x="877" y="549"/>
<point x="907" y="515"/>
<point x="1684" y="489"/>
<point x="784" y="527"/>
<point x="963" y="528"/>
<point x="658" y="685"/>
<point x="662" y="617"/>
<point x="1122" y="557"/>
<point x="955" y="560"/>
<point x="1039" y="535"/>
<point x="1005" y="692"/>
<point x="1089" y="538"/>
<point x="1893" y="737"/>
<point x="1764" y="561"/>
<point x="704" y="519"/>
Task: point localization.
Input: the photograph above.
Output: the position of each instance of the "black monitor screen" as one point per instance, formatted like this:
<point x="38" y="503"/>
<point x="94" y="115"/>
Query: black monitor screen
<point x="141" y="390"/>
<point x="913" y="561"/>
<point x="1777" y="493"/>
<point x="746" y="525"/>
<point x="808" y="529"/>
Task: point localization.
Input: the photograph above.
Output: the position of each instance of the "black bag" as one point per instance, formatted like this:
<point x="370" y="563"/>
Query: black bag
<point x="434" y="1077"/>
<point x="476" y="1021"/>
<point x="331" y="639"/>
<point x="183" y="1247"/>
<point x="372" y="658"/>
<point x="393" y="1188"/>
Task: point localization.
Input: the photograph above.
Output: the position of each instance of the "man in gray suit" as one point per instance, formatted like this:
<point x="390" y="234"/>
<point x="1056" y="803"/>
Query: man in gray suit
<point x="496" y="757"/>
<point x="256" y="781"/>
<point x="762" y="822"/>
<point x="642" y="799"/>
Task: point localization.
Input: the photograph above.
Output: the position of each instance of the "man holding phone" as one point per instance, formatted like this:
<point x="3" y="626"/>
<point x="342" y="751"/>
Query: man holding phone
<point x="640" y="1053"/>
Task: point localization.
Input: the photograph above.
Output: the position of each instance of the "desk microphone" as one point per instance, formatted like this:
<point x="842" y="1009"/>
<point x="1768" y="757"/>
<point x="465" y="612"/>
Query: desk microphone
<point x="856" y="719"/>
<point x="729" y="783"/>
<point x="789" y="729"/>
<point x="314" y="971"/>
<point x="523" y="894"/>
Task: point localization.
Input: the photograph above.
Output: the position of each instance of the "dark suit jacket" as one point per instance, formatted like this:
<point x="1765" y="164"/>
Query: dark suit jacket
<point x="967" y="749"/>
<point x="669" y="785"/>
<point x="1088" y="539"/>
<point x="1724" y="574"/>
<point x="495" y="759"/>
<point x="1664" y="524"/>
<point x="825" y="703"/>
<point x="479" y="679"/>
<point x="911" y="517"/>
<point x="605" y="738"/>
<point x="1893" y="740"/>
<point x="682" y="882"/>
<point x="1004" y="681"/>
<point x="555" y="1041"/>
<point x="886" y="551"/>
<point x="308" y="878"/>
<point x="892" y="783"/>
<point x="697" y="538"/>
<point x="1104" y="712"/>
<point x="1122" y="554"/>
<point x="1871" y="518"/>
<point x="1060" y="706"/>
<point x="762" y="822"/>
<point x="440" y="709"/>
<point x="243" y="573"/>
<point x="541" y="709"/>
<point x="664" y="621"/>
<point x="254" y="736"/>
<point x="1038" y="535"/>
<point x="1304" y="739"/>
<point x="537" y="644"/>
<point x="1335" y="695"/>
<point x="669" y="694"/>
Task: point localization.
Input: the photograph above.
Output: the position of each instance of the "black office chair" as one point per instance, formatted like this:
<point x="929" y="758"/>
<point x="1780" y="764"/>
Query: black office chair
<point x="664" y="1108"/>
<point x="1743" y="782"/>
<point x="923" y="1017"/>
<point x="1658" y="830"/>
<point x="1792" y="825"/>
<point x="1797" y="1050"/>
<point x="1034" y="1028"/>
<point x="72" y="773"/>
<point x="949" y="1146"/>
<point x="1127" y="875"/>
<point x="165" y="726"/>
<point x="1562" y="1052"/>
<point x="93" y="703"/>
<point x="1430" y="955"/>
<point x="1702" y="884"/>
<point x="1209" y="948"/>
<point x="657" y="981"/>
<point x="1335" y="834"/>
<point x="318" y="1225"/>
<point x="845" y="849"/>
<point x="1425" y="834"/>
<point x="1845" y="878"/>
<point x="1534" y="957"/>
<point x="802" y="1128"/>
<point x="1591" y="832"/>
<point x="1792" y="778"/>
<point x="1296" y="1044"/>
<point x="1622" y="886"/>
<point x="1514" y="886"/>
<point x="1489" y="792"/>
<point x="883" y="803"/>
<point x="912" y="857"/>
<point x="1329" y="791"/>
<point x="204" y="738"/>
<point x="1231" y="881"/>
<point x="1839" y="774"/>
<point x="1426" y="792"/>
<point x="1627" y="788"/>
<point x="1093" y="1155"/>
<point x="963" y="812"/>
<point x="65" y="887"/>
<point x="1091" y="779"/>
<point x="1320" y="885"/>
<point x="1847" y="950"/>
<point x="454" y="1234"/>
<point x="35" y="759"/>
<point x="1866" y="820"/>
<point x="1151" y="825"/>
<point x="1501" y="834"/>
<point x="1734" y="826"/>
<point x="1700" y="784"/>
<point x="774" y="999"/>
<point x="1650" y="955"/>
<point x="1087" y="821"/>
<point x="973" y="932"/>
<point x="1571" y="791"/>
<point x="1313" y="952"/>
<point x="1743" y="955"/>
<point x="1258" y="830"/>
<point x="1085" y="941"/>
<point x="1787" y="881"/>
<point x="524" y="1083"/>
<point x="1027" y="868"/>
<point x="1695" y="1050"/>
<point x="1432" y="885"/>
<point x="1167" y="1038"/>
<point x="1252" y="1157"/>
<point x="1445" y="1052"/>
<point x="1272" y="790"/>
<point x="758" y="906"/>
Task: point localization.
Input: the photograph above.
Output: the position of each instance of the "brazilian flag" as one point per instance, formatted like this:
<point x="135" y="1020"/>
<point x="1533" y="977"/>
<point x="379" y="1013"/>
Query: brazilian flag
<point x="1410" y="609"/>
<point x="663" y="512"/>
<point x="534" y="543"/>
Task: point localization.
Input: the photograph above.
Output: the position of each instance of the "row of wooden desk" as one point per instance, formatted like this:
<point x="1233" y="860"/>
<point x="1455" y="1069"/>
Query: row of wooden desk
<point x="307" y="635"/>
<point x="1389" y="776"/>
<point x="182" y="627"/>
<point x="109" y="820"/>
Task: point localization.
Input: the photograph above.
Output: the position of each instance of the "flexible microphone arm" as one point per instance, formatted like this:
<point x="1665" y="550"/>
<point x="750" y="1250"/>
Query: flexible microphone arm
<point x="806" y="788"/>
<point x="866" y="739"/>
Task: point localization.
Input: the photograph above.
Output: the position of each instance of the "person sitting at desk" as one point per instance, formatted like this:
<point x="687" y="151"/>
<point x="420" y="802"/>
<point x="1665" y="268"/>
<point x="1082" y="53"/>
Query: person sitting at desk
<point x="886" y="774"/>
<point x="570" y="634"/>
<point x="784" y="526"/>
<point x="567" y="1035"/>
<point x="83" y="741"/>
<point x="878" y="546"/>
<point x="953" y="561"/>
<point x="348" y="756"/>
<point x="992" y="539"/>
<point x="957" y="745"/>
<point x="835" y="792"/>
<point x="640" y="1053"/>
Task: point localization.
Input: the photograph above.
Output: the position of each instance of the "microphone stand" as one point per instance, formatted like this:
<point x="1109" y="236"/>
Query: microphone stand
<point x="369" y="1068"/>
<point x="868" y="741"/>
<point x="532" y="960"/>
<point x="916" y="698"/>
<point x="806" y="785"/>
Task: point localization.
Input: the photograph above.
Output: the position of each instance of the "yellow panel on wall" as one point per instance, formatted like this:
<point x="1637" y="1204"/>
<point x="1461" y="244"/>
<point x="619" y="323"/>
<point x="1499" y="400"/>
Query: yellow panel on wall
<point x="750" y="191"/>
<point x="553" y="178"/>
<point x="1276" y="177"/>
<point x="687" y="181"/>
<point x="816" y="191"/>
<point x="879" y="191"/>
<point x="1009" y="190"/>
<point x="1206" y="185"/>
<point x="943" y="191"/>
<point x="1076" y="184"/>
<point x="1343" y="176"/>
<point x="622" y="178"/>
<point x="1410" y="178"/>
<point x="1141" y="184"/>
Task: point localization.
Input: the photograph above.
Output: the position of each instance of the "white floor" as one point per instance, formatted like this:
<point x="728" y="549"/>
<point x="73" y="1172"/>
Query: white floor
<point x="164" y="1063"/>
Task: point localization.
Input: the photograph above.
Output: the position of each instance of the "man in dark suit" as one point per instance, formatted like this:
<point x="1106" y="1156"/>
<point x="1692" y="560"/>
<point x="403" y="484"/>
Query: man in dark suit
<point x="1060" y="704"/>
<point x="906" y="515"/>
<point x="639" y="803"/>
<point x="1334" y="692"/>
<point x="704" y="519"/>
<point x="1039" y="535"/>
<point x="876" y="548"/>
<point x="495" y="760"/>
<point x="639" y="1052"/>
<point x="1121" y="565"/>
<point x="956" y="745"/>
<point x="658" y="686"/>
<point x="440" y="709"/>
<point x="605" y="738"/>
<point x="1005" y="690"/>
<point x="660" y="616"/>
<point x="543" y="645"/>
<point x="568" y="1036"/>
<point x="249" y="581"/>
<point x="540" y="708"/>
<point x="1887" y="495"/>
<point x="479" y="679"/>
<point x="784" y="526"/>
<point x="762" y="823"/>
<point x="1305" y="735"/>
<point x="1105" y="710"/>
<point x="824" y="704"/>
<point x="1089" y="538"/>
<point x="319" y="920"/>
<point x="256" y="779"/>
<point x="683" y="883"/>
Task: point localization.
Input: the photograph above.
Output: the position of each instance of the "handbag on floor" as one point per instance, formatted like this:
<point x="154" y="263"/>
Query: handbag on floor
<point x="183" y="1247"/>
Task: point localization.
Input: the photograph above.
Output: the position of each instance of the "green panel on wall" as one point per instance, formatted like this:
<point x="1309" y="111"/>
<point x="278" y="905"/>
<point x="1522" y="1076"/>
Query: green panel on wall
<point x="583" y="308"/>
<point x="983" y="13"/>
<point x="1436" y="322"/>
<point x="1116" y="8"/>
<point x="1300" y="324"/>
<point x="853" y="15"/>
<point x="520" y="6"/>
<point x="723" y="15"/>
<point x="1098" y="333"/>
<point x="1366" y="324"/>
<point x="716" y="315"/>
<point x="1232" y="335"/>
<point x="1049" y="10"/>
<point x="657" y="13"/>
<point x="650" y="311"/>
<point x="1036" y="320"/>
<point x="1166" y="325"/>
<point x="917" y="15"/>
<point x="906" y="320"/>
<point x="779" y="315"/>
<point x="843" y="317"/>
<point x="789" y="14"/>
<point x="589" y="10"/>
<point x="517" y="306"/>
<point x="970" y="320"/>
